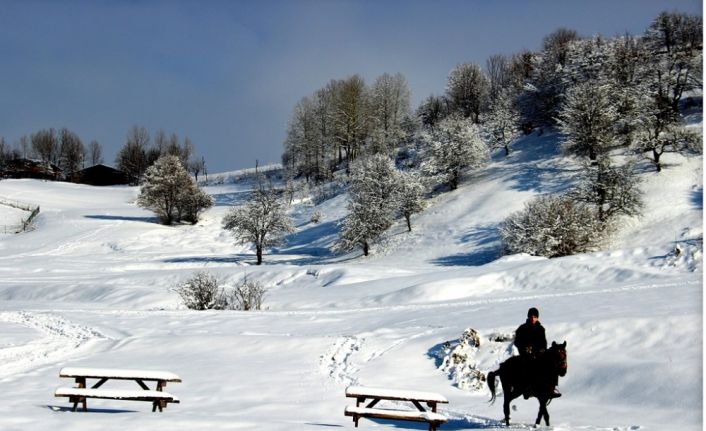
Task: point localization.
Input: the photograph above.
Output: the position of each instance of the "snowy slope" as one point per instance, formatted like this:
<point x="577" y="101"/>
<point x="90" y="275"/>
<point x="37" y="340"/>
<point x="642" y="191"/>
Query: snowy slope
<point x="91" y="286"/>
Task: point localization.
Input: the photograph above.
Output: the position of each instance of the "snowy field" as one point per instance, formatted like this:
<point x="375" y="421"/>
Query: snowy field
<point x="91" y="286"/>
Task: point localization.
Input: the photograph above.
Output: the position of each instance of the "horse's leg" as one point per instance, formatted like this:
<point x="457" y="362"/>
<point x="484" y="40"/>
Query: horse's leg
<point x="543" y="412"/>
<point x="507" y="397"/>
<point x="506" y="409"/>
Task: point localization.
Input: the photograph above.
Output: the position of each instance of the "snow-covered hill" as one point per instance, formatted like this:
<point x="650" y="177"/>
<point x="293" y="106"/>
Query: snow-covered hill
<point x="91" y="285"/>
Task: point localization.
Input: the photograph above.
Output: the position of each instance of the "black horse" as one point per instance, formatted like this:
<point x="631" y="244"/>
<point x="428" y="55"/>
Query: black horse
<point x="549" y="365"/>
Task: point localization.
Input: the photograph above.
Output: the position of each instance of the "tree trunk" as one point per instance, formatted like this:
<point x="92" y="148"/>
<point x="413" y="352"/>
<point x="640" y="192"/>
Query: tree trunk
<point x="408" y="217"/>
<point x="656" y="156"/>
<point x="259" y="254"/>
<point x="365" y="248"/>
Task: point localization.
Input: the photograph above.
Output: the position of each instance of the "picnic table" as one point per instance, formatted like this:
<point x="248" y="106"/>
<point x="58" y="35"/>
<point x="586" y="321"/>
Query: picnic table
<point x="375" y="395"/>
<point x="81" y="392"/>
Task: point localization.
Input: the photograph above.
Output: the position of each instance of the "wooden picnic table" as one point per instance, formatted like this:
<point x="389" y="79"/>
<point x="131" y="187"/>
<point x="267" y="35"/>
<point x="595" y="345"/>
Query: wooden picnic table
<point x="375" y="395"/>
<point x="81" y="392"/>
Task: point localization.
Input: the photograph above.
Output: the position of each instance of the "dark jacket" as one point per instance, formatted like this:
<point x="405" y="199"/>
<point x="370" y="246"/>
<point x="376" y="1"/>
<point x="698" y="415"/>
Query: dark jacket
<point x="530" y="339"/>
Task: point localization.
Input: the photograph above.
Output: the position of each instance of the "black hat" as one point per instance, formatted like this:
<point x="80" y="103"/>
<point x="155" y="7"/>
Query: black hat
<point x="532" y="312"/>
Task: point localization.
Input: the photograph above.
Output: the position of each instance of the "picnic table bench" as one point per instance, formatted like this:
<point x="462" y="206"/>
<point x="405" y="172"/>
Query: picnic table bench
<point x="361" y="394"/>
<point x="81" y="392"/>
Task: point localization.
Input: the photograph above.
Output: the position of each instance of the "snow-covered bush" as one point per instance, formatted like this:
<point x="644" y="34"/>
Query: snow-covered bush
<point x="192" y="203"/>
<point x="316" y="217"/>
<point x="247" y="295"/>
<point x="201" y="292"/>
<point x="552" y="226"/>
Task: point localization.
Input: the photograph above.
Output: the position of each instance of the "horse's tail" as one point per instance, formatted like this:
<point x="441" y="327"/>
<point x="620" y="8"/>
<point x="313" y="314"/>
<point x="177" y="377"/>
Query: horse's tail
<point x="491" y="385"/>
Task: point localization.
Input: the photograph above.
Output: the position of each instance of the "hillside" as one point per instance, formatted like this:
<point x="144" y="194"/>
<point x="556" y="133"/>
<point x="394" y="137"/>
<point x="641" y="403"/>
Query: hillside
<point x="91" y="285"/>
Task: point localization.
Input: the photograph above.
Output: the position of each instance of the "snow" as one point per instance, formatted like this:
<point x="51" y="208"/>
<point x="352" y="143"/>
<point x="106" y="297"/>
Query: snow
<point x="355" y="391"/>
<point x="114" y="373"/>
<point x="92" y="286"/>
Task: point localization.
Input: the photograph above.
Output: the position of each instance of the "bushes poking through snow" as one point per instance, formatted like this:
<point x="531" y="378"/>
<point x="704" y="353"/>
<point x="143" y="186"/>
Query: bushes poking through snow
<point x="204" y="291"/>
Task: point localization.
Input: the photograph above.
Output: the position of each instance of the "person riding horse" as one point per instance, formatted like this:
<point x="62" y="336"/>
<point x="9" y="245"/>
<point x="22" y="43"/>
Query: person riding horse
<point x="531" y="342"/>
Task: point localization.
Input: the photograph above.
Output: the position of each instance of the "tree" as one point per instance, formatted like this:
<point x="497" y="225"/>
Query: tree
<point x="191" y="202"/>
<point x="455" y="146"/>
<point x="372" y="203"/>
<point x="675" y="42"/>
<point x="587" y="120"/>
<point x="432" y="110"/>
<point x="132" y="157"/>
<point x="389" y="105"/>
<point x="499" y="77"/>
<point x="614" y="190"/>
<point x="262" y="221"/>
<point x="45" y="145"/>
<point x="71" y="152"/>
<point x="552" y="226"/>
<point x="95" y="153"/>
<point x="502" y="123"/>
<point x="351" y="117"/>
<point x="165" y="186"/>
<point x="467" y="90"/>
<point x="410" y="197"/>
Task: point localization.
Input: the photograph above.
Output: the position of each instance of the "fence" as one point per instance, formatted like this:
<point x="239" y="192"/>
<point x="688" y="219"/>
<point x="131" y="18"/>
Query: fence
<point x="26" y="222"/>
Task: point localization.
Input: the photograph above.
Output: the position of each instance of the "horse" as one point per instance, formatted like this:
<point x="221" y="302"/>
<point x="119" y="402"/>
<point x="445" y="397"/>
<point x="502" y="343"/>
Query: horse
<point x="550" y="364"/>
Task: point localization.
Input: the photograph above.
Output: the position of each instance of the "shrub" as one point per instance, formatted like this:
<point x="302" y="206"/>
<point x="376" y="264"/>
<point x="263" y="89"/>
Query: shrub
<point x="201" y="292"/>
<point x="552" y="226"/>
<point x="248" y="295"/>
<point x="316" y="217"/>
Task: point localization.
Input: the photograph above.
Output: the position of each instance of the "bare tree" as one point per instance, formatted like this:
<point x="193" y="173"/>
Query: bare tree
<point x="132" y="157"/>
<point x="467" y="90"/>
<point x="45" y="145"/>
<point x="71" y="152"/>
<point x="95" y="153"/>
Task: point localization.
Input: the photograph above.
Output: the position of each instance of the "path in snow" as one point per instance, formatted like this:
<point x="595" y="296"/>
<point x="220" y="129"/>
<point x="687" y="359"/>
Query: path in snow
<point x="60" y="338"/>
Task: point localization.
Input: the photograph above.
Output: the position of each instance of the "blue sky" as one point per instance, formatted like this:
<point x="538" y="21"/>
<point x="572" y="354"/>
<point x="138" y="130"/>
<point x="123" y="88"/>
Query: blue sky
<point x="228" y="73"/>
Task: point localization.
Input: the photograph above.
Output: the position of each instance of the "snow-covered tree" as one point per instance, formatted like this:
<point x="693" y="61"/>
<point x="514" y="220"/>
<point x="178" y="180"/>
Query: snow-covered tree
<point x="467" y="89"/>
<point x="552" y="226"/>
<point x="262" y="221"/>
<point x="502" y="122"/>
<point x="432" y="110"/>
<point x="410" y="196"/>
<point x="163" y="185"/>
<point x="675" y="42"/>
<point x="613" y="190"/>
<point x="587" y="120"/>
<point x="192" y="201"/>
<point x="453" y="147"/>
<point x="372" y="203"/>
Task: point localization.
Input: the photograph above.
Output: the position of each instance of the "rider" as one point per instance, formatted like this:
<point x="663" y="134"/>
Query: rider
<point x="531" y="341"/>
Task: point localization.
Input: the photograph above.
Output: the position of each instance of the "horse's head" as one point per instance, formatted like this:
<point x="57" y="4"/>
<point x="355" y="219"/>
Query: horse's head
<point x="557" y="353"/>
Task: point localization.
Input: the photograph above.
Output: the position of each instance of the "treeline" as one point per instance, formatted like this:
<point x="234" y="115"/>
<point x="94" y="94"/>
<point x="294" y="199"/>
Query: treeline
<point x="140" y="151"/>
<point x="605" y="96"/>
<point x="65" y="149"/>
<point x="62" y="148"/>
